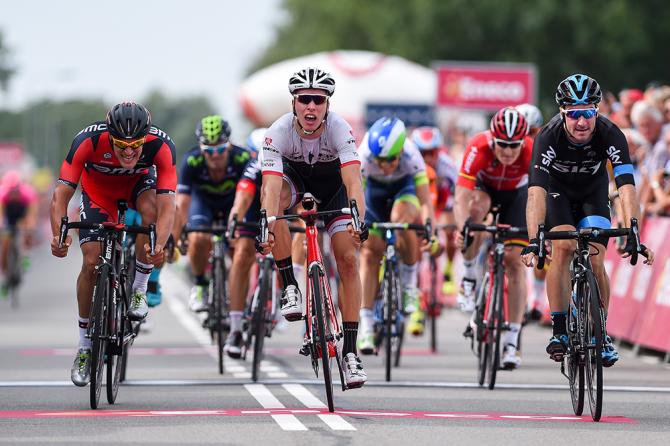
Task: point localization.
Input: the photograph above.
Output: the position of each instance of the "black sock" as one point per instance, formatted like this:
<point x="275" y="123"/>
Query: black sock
<point x="558" y="319"/>
<point x="350" y="335"/>
<point x="201" y="280"/>
<point x="285" y="267"/>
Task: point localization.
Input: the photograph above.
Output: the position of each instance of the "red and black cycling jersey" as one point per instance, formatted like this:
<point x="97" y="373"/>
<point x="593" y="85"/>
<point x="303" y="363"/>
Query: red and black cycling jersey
<point x="91" y="159"/>
<point x="480" y="165"/>
<point x="580" y="168"/>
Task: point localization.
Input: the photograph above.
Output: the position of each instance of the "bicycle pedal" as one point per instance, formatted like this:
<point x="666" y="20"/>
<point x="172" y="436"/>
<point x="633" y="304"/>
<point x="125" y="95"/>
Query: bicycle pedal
<point x="305" y="350"/>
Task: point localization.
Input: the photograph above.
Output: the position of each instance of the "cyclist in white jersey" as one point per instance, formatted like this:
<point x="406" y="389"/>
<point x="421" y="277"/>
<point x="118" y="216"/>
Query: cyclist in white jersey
<point x="396" y="190"/>
<point x="313" y="150"/>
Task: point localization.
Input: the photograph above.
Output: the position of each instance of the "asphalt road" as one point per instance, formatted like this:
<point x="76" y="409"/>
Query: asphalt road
<point x="174" y="394"/>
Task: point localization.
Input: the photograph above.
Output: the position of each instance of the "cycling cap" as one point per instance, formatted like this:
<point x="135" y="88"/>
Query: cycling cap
<point x="312" y="78"/>
<point x="255" y="139"/>
<point x="128" y="120"/>
<point x="509" y="125"/>
<point x="578" y="89"/>
<point x="386" y="137"/>
<point x="427" y="138"/>
<point x="532" y="114"/>
<point x="212" y="130"/>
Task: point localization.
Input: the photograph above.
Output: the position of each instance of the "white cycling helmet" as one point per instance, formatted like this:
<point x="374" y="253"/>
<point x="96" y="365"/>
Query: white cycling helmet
<point x="312" y="78"/>
<point x="532" y="114"/>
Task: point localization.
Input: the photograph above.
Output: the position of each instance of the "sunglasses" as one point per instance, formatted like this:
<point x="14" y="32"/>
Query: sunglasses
<point x="586" y="113"/>
<point x="305" y="99"/>
<point x="213" y="150"/>
<point x="508" y="144"/>
<point x="134" y="144"/>
<point x="388" y="160"/>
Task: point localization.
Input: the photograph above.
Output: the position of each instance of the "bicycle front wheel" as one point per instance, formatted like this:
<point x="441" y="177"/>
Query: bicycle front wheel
<point x="258" y="322"/>
<point x="98" y="331"/>
<point x="219" y="298"/>
<point x="594" y="339"/>
<point x="14" y="273"/>
<point x="481" y="330"/>
<point x="318" y="299"/>
<point x="574" y="361"/>
<point x="115" y="359"/>
<point x="495" y="324"/>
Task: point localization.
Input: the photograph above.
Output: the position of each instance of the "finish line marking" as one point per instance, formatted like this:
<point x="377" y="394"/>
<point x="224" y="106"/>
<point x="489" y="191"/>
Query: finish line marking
<point x="286" y="418"/>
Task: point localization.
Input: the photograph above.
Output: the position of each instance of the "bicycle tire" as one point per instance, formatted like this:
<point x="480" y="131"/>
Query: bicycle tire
<point x="318" y="295"/>
<point x="481" y="332"/>
<point x="14" y="273"/>
<point x="98" y="324"/>
<point x="433" y="305"/>
<point x="399" y="322"/>
<point x="114" y="360"/>
<point x="388" y="296"/>
<point x="574" y="362"/>
<point x="495" y="324"/>
<point x="594" y="332"/>
<point x="218" y="302"/>
<point x="258" y="322"/>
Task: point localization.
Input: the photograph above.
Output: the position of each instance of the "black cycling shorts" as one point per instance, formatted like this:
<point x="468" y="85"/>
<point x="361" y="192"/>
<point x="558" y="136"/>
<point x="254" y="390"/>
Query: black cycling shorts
<point x="512" y="208"/>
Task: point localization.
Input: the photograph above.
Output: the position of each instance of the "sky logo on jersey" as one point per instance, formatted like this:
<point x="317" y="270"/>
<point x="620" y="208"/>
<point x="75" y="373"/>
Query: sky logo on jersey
<point x="564" y="168"/>
<point x="548" y="156"/>
<point x="613" y="153"/>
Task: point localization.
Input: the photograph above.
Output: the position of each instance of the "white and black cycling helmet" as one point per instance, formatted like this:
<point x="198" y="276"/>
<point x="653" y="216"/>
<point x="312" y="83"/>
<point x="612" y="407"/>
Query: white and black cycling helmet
<point x="312" y="78"/>
<point x="532" y="114"/>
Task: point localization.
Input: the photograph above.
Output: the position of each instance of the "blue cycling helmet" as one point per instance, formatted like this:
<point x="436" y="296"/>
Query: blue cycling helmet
<point x="255" y="139"/>
<point x="386" y="137"/>
<point x="578" y="89"/>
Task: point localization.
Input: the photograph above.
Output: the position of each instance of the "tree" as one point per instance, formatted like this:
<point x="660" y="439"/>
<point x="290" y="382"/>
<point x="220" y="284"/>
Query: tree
<point x="6" y="71"/>
<point x="621" y="43"/>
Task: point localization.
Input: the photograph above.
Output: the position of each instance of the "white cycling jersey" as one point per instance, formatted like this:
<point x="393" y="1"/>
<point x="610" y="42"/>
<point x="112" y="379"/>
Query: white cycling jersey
<point x="411" y="163"/>
<point x="282" y="141"/>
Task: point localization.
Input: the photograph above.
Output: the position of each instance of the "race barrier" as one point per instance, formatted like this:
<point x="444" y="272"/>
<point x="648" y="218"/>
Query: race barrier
<point x="639" y="310"/>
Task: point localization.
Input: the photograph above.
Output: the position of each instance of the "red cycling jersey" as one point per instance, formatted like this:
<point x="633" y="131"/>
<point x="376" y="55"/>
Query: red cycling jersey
<point x="92" y="159"/>
<point x="481" y="165"/>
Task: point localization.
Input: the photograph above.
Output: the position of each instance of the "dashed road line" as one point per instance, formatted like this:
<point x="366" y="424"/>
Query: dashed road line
<point x="287" y="422"/>
<point x="307" y="398"/>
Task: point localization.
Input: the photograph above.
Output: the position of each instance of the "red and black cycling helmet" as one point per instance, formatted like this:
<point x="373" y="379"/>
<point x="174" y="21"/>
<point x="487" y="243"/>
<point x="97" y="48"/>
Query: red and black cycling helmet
<point x="128" y="120"/>
<point x="509" y="125"/>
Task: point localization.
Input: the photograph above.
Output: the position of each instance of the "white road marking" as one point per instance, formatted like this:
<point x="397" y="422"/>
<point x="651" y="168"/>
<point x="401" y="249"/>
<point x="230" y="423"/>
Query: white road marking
<point x="307" y="398"/>
<point x="266" y="399"/>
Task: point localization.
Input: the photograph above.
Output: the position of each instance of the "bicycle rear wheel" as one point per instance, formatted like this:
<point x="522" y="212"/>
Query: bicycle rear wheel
<point x="131" y="326"/>
<point x="594" y="339"/>
<point x="14" y="272"/>
<point x="115" y="359"/>
<point x="495" y="324"/>
<point x="574" y="362"/>
<point x="258" y="322"/>
<point x="98" y="331"/>
<point x="318" y="295"/>
<point x="218" y="298"/>
<point x="388" y="296"/>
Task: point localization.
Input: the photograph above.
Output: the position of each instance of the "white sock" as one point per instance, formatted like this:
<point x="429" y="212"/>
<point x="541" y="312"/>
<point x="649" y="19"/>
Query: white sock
<point x="142" y="273"/>
<point x="236" y="321"/>
<point x="470" y="269"/>
<point x="84" y="342"/>
<point x="538" y="290"/>
<point x="408" y="275"/>
<point x="367" y="320"/>
<point x="511" y="336"/>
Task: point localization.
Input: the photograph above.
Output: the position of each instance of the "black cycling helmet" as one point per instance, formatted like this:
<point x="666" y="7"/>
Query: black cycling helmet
<point x="578" y="89"/>
<point x="128" y="120"/>
<point x="212" y="130"/>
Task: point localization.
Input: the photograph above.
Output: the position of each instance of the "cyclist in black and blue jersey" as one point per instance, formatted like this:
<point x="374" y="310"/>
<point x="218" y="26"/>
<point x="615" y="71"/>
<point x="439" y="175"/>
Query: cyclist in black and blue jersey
<point x="211" y="174"/>
<point x="569" y="187"/>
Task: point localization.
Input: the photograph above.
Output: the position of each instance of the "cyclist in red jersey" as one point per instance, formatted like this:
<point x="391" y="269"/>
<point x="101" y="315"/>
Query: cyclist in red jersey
<point x="122" y="158"/>
<point x="495" y="172"/>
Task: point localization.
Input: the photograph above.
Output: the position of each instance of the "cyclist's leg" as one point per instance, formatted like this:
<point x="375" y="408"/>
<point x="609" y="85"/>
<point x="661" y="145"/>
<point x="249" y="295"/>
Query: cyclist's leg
<point x="559" y="218"/>
<point x="200" y="245"/>
<point x="371" y="254"/>
<point x="406" y="210"/>
<point x="478" y="207"/>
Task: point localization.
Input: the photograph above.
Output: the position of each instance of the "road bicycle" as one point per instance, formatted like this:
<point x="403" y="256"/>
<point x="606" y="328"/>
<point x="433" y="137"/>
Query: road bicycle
<point x="389" y="308"/>
<point x="322" y="328"/>
<point x="14" y="273"/>
<point x="109" y="328"/>
<point x="489" y="318"/>
<point x="585" y="318"/>
<point x="218" y="302"/>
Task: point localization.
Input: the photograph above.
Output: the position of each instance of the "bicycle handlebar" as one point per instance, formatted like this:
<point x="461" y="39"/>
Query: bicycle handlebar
<point x="500" y="228"/>
<point x="66" y="225"/>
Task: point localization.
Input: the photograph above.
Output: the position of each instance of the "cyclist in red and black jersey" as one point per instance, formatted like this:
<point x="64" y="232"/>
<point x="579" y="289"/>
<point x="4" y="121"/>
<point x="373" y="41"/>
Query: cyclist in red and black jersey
<point x="122" y="158"/>
<point x="495" y="172"/>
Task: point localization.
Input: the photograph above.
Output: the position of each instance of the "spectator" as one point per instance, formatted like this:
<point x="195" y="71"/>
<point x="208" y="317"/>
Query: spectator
<point x="627" y="98"/>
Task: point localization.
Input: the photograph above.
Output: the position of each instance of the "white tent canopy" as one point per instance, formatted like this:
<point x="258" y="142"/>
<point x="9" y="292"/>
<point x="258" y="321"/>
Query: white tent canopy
<point x="361" y="77"/>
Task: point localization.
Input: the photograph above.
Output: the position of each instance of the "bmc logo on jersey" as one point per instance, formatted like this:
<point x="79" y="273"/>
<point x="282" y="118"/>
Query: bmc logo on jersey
<point x="613" y="153"/>
<point x="548" y="156"/>
<point x="94" y="128"/>
<point x="120" y="170"/>
<point x="158" y="132"/>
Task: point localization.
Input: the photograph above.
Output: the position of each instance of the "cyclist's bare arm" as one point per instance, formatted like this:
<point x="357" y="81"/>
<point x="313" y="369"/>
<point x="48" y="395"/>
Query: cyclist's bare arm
<point x="181" y="216"/>
<point x="59" y="202"/>
<point x="631" y="209"/>
<point x="462" y="199"/>
<point x="536" y="209"/>
<point x="351" y="177"/>
<point x="165" y="204"/>
<point x="270" y="193"/>
<point x="241" y="204"/>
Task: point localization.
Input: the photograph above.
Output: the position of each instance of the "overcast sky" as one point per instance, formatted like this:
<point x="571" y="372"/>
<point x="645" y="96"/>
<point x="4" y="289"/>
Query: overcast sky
<point x="122" y="49"/>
